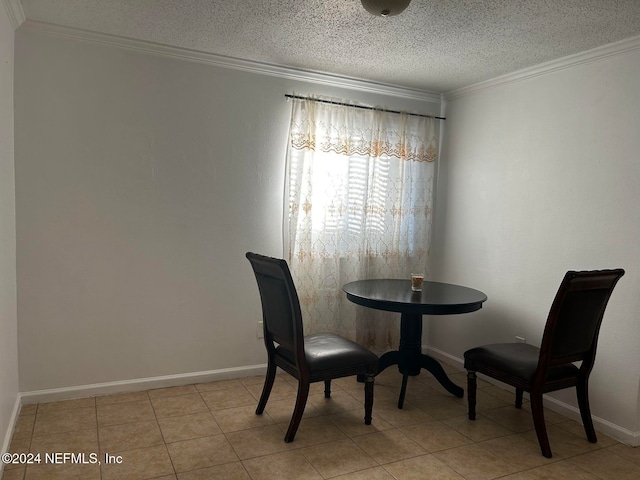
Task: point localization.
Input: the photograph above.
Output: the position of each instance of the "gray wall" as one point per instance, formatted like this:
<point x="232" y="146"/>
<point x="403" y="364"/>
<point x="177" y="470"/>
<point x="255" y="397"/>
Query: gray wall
<point x="141" y="181"/>
<point x="540" y="176"/>
<point x="8" y="315"/>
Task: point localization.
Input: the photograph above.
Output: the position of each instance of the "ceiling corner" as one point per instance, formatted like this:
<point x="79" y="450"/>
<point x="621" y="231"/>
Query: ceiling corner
<point x="15" y="12"/>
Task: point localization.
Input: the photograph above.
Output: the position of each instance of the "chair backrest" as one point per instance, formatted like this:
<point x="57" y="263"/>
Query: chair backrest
<point x="571" y="332"/>
<point x="280" y="305"/>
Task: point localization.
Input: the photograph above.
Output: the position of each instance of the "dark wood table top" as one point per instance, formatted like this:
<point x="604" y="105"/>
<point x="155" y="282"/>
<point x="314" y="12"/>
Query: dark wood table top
<point x="396" y="296"/>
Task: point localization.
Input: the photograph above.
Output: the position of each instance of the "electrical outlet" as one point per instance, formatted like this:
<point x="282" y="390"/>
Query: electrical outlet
<point x="520" y="339"/>
<point x="260" y="330"/>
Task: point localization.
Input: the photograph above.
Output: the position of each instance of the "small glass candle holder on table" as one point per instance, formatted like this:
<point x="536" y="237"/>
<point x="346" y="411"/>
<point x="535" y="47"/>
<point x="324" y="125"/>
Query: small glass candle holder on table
<point x="416" y="281"/>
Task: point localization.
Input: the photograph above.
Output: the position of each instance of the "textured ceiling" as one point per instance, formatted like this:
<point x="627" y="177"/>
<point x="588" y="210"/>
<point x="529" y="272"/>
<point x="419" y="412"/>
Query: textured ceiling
<point x="435" y="45"/>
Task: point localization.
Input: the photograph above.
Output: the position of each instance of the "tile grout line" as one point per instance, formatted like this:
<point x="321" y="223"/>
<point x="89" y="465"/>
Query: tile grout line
<point x="155" y="415"/>
<point x="224" y="433"/>
<point x="95" y="406"/>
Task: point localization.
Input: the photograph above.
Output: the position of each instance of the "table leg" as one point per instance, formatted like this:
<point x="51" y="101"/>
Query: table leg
<point x="434" y="367"/>
<point x="388" y="359"/>
<point x="411" y="360"/>
<point x="403" y="390"/>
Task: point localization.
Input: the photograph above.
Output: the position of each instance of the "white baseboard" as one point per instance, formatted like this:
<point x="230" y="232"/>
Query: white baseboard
<point x="617" y="432"/>
<point x="138" y="384"/>
<point x="124" y="386"/>
<point x="444" y="357"/>
<point x="12" y="423"/>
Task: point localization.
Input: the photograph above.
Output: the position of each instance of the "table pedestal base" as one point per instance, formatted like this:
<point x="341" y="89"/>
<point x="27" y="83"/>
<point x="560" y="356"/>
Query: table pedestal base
<point x="411" y="360"/>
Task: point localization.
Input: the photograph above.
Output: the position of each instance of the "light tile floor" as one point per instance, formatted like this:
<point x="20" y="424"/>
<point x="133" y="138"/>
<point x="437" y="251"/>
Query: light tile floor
<point x="209" y="431"/>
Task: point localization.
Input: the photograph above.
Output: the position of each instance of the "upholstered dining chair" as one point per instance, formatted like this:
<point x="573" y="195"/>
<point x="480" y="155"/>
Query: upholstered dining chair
<point x="570" y="335"/>
<point x="312" y="358"/>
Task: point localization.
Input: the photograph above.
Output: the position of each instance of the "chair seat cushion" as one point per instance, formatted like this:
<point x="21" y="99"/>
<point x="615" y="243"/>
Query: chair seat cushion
<point x="326" y="351"/>
<point x="518" y="360"/>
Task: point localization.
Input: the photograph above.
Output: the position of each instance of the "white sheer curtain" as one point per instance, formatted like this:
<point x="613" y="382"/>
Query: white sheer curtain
<point x="360" y="186"/>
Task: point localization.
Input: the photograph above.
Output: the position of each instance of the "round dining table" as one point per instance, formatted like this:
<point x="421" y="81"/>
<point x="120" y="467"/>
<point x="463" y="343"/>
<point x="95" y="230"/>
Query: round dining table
<point x="436" y="298"/>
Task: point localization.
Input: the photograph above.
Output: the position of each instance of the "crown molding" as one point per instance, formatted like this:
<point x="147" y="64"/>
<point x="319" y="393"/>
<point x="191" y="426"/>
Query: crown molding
<point x="14" y="12"/>
<point x="546" y="68"/>
<point x="197" y="56"/>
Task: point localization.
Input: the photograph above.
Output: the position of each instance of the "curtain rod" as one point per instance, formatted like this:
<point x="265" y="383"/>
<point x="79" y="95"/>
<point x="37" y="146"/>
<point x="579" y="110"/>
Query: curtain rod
<point x="364" y="107"/>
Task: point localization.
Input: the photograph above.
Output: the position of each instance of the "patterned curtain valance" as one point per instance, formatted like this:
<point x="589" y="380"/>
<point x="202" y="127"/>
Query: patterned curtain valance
<point x="372" y="133"/>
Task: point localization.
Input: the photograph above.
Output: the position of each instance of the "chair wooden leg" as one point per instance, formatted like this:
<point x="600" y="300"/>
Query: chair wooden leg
<point x="538" y="422"/>
<point x="472" y="385"/>
<point x="519" y="393"/>
<point x="301" y="401"/>
<point x="368" y="398"/>
<point x="266" y="390"/>
<point x="327" y="388"/>
<point x="582" y="391"/>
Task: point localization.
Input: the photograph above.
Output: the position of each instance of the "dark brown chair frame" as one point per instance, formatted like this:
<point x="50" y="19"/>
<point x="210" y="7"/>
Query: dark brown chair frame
<point x="285" y="343"/>
<point x="570" y="335"/>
